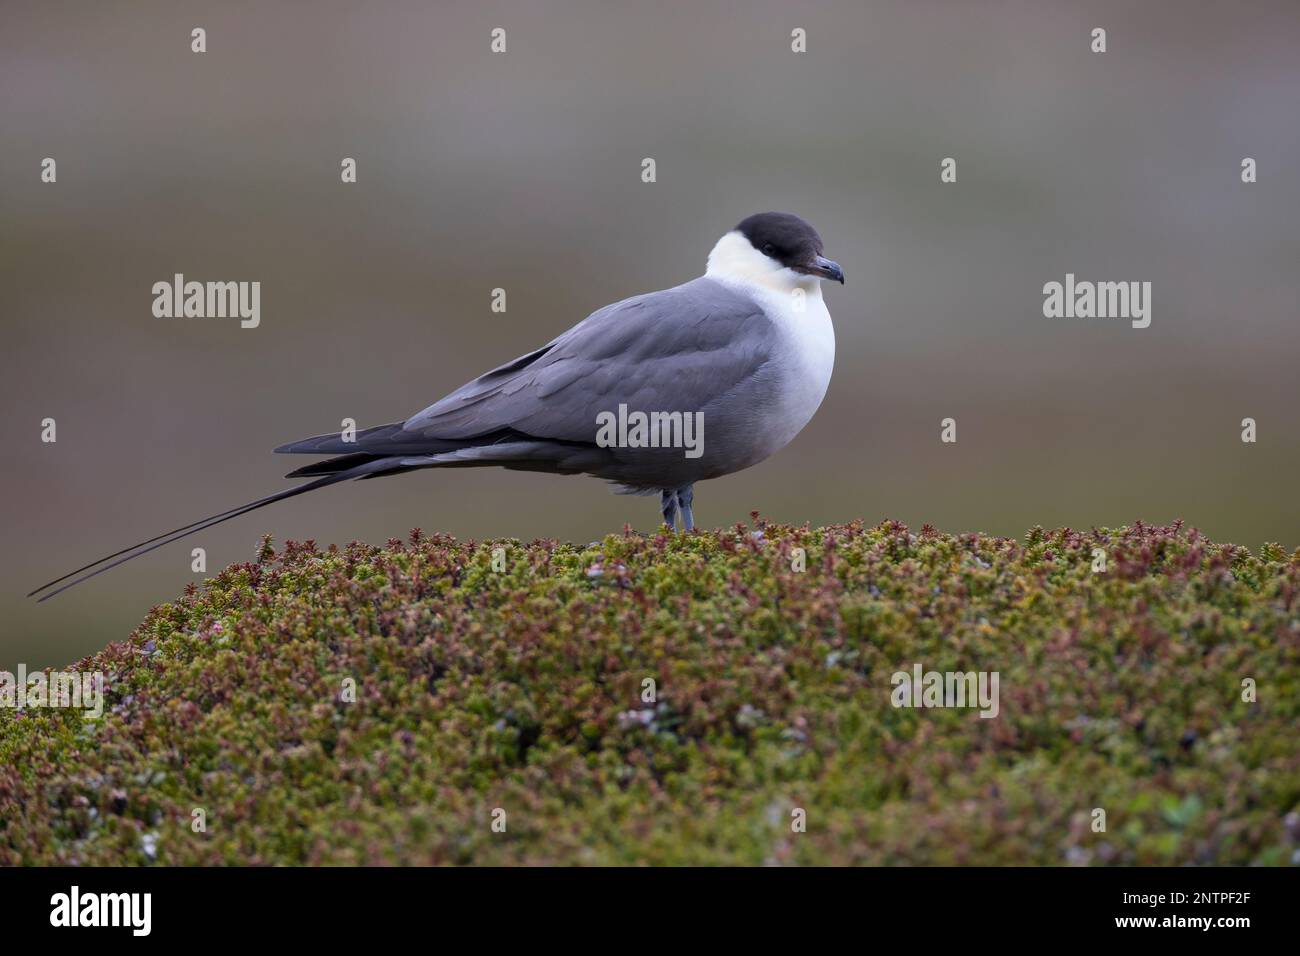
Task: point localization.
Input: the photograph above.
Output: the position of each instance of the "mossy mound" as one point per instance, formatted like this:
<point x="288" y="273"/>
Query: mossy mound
<point x="481" y="690"/>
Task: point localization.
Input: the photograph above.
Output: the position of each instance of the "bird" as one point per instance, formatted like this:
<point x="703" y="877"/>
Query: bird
<point x="744" y="351"/>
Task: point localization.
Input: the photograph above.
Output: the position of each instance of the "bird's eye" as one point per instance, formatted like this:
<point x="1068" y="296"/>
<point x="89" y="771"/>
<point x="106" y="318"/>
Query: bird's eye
<point x="768" y="249"/>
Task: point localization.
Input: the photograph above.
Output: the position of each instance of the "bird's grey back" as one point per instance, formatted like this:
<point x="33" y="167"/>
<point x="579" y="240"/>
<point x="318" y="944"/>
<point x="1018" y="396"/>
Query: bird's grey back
<point x="681" y="349"/>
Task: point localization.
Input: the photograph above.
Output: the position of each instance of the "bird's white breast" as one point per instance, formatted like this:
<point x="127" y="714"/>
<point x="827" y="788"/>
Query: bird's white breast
<point x="805" y="355"/>
<point x="804" y="363"/>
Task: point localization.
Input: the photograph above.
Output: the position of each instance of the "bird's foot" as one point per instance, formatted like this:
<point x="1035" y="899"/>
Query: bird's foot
<point x="668" y="507"/>
<point x="686" y="495"/>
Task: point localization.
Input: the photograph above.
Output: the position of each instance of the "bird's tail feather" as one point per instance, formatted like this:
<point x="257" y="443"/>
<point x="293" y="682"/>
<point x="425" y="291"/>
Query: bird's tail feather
<point x="144" y="547"/>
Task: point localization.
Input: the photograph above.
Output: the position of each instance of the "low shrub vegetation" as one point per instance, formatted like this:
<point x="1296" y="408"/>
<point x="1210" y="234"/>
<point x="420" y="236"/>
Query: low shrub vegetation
<point x="688" y="698"/>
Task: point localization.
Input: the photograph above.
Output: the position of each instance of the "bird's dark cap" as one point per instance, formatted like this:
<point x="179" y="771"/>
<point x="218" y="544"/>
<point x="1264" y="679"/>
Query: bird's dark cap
<point x="783" y="236"/>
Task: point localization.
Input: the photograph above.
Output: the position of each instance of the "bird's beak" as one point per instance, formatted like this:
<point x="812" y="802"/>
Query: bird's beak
<point x="826" y="268"/>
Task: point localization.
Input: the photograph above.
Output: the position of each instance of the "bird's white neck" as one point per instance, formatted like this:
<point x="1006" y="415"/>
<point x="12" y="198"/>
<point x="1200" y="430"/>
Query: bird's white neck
<point x="736" y="262"/>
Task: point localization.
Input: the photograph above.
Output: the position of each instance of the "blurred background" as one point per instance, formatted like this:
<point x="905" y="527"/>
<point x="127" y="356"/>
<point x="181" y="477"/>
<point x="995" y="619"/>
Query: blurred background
<point x="522" y="170"/>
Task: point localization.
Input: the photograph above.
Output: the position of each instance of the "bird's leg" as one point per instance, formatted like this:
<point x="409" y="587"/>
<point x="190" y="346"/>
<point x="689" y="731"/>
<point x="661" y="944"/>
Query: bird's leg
<point x="685" y="495"/>
<point x="668" y="505"/>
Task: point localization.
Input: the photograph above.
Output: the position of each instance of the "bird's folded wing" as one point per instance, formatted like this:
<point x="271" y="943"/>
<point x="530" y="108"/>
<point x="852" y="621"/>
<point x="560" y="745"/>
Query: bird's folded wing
<point x="675" y="350"/>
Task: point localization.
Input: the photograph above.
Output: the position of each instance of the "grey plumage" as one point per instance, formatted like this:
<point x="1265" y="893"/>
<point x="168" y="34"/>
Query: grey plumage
<point x="688" y="349"/>
<point x="708" y="346"/>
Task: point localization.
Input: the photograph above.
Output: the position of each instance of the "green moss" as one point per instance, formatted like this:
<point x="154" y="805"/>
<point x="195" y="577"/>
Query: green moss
<point x="521" y="689"/>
